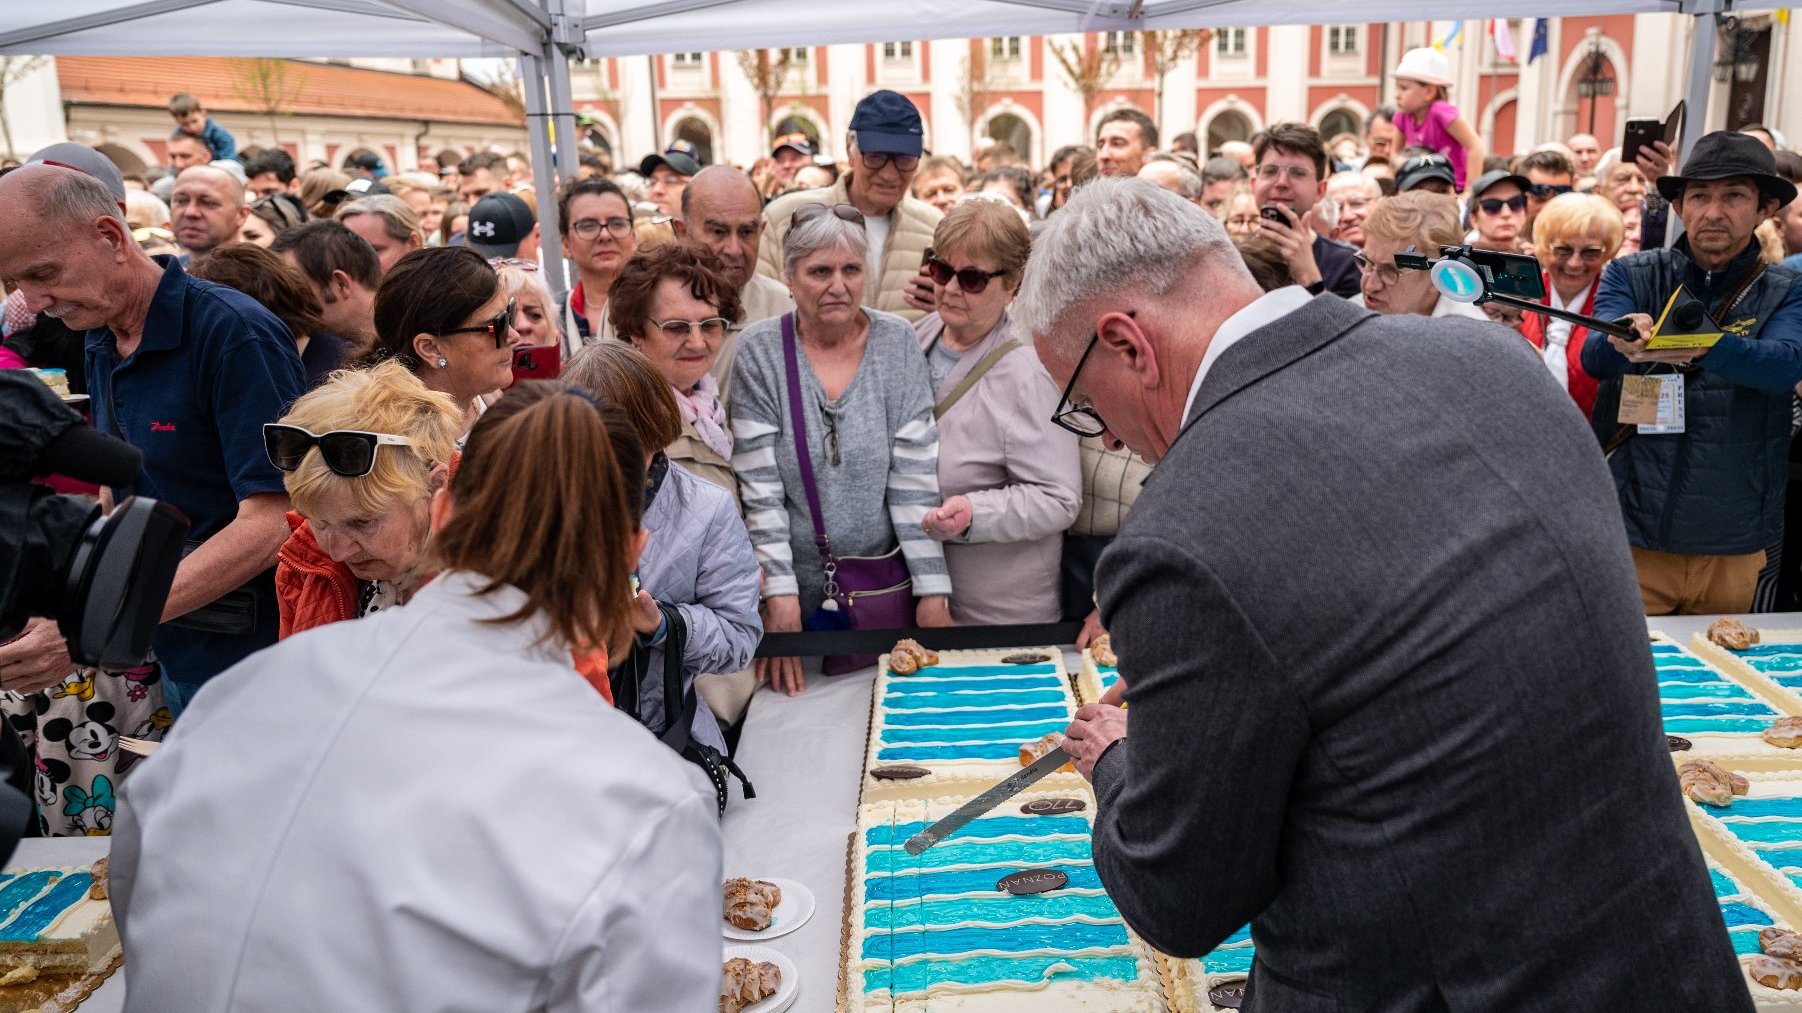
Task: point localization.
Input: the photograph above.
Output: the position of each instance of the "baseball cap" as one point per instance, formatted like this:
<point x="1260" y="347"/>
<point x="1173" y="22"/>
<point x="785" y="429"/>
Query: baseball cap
<point x="796" y="142"/>
<point x="679" y="163"/>
<point x="367" y="161"/>
<point x="684" y="146"/>
<point x="887" y="123"/>
<point x="498" y="224"/>
<point x="84" y="159"/>
<point x="1420" y="168"/>
<point x="1489" y="179"/>
<point x="357" y="188"/>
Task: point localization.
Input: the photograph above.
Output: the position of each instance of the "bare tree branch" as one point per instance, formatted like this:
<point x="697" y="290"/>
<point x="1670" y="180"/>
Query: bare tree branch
<point x="1088" y="66"/>
<point x="767" y="71"/>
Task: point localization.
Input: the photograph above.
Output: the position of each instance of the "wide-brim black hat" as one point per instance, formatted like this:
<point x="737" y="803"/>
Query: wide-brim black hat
<point x="1725" y="155"/>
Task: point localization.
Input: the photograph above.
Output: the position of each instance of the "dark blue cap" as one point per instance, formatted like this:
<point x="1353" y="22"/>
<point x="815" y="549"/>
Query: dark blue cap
<point x="887" y="123"/>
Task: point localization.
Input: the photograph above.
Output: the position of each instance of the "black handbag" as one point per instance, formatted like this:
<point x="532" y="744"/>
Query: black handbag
<point x="233" y="613"/>
<point x="679" y="705"/>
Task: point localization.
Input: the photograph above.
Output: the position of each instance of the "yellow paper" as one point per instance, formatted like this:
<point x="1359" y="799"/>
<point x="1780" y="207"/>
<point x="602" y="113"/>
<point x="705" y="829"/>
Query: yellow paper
<point x="1661" y="341"/>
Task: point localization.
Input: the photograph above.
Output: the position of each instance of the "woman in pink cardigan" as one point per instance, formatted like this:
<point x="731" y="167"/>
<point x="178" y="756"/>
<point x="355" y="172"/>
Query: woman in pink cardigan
<point x="1012" y="482"/>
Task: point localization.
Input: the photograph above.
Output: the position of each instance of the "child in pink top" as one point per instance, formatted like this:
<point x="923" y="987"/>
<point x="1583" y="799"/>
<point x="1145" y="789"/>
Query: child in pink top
<point x="1427" y="120"/>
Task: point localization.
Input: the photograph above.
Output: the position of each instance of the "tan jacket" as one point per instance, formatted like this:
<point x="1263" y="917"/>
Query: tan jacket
<point x="910" y="232"/>
<point x="693" y="453"/>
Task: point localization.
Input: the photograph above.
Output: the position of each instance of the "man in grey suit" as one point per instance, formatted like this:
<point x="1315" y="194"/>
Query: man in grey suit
<point x="1392" y="700"/>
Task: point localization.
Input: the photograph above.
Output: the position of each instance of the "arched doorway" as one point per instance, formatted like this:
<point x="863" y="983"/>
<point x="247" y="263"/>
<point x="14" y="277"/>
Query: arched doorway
<point x="126" y="159"/>
<point x="1016" y="132"/>
<point x="1228" y="125"/>
<point x="697" y="133"/>
<point x="1340" y="121"/>
<point x="795" y="123"/>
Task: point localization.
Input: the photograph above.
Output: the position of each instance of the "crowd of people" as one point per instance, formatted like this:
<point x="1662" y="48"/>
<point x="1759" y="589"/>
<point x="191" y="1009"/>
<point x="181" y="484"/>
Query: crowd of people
<point x="798" y="397"/>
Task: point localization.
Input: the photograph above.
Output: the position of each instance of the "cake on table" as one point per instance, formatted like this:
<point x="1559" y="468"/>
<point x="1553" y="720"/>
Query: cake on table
<point x="1718" y="715"/>
<point x="50" y="920"/>
<point x="1100" y="669"/>
<point x="1192" y="979"/>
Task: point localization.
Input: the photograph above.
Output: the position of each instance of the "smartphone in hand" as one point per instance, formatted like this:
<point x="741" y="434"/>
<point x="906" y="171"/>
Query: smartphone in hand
<point x="537" y="362"/>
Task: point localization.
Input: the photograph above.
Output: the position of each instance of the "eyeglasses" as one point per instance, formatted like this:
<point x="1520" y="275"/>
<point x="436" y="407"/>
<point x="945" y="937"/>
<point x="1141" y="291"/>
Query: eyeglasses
<point x="1590" y="254"/>
<point x="808" y="212"/>
<point x="346" y="452"/>
<point x="1388" y="274"/>
<point x="591" y="228"/>
<point x="1494" y="205"/>
<point x="875" y="160"/>
<point x="1297" y="173"/>
<point x="712" y="328"/>
<point x="1079" y="418"/>
<point x="970" y="279"/>
<point x="1546" y="191"/>
<point x="499" y="327"/>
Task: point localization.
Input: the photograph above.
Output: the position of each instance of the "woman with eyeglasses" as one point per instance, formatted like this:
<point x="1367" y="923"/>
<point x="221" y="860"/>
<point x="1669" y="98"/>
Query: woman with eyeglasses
<point x="1011" y="484"/>
<point x="673" y="302"/>
<point x="428" y="808"/>
<point x="595" y="220"/>
<point x="1574" y="238"/>
<point x="1415" y="220"/>
<point x="855" y="381"/>
<point x="443" y="314"/>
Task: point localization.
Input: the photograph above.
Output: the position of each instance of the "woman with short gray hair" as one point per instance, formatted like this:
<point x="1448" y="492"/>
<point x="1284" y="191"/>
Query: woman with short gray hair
<point x="832" y="419"/>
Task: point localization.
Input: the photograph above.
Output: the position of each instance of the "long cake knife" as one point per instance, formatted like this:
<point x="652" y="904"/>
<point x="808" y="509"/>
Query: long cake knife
<point x="1014" y="785"/>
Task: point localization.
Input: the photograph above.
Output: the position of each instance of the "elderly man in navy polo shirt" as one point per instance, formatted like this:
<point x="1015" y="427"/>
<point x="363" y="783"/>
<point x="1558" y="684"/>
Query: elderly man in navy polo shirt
<point x="187" y="372"/>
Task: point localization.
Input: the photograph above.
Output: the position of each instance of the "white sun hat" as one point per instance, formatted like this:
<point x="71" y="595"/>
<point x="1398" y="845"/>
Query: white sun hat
<point x="1425" y="64"/>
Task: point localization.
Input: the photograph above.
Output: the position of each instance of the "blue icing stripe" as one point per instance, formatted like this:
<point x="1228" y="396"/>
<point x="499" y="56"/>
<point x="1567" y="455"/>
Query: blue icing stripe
<point x="960" y="852"/>
<point x="32" y="921"/>
<point x="1689" y="675"/>
<point x="1684" y="726"/>
<point x="1724" y="886"/>
<point x="23" y="888"/>
<point x="1703" y="709"/>
<point x="992" y="826"/>
<point x="1228" y="959"/>
<point x="1744" y="807"/>
<point x="989" y="685"/>
<point x="1011" y="733"/>
<point x="1740" y="915"/>
<point x="1013" y="939"/>
<point x="966" y="671"/>
<point x="1693" y="691"/>
<point x="995" y="715"/>
<point x="1745" y="942"/>
<point x="1769" y="832"/>
<point x="918" y="701"/>
<point x="1767" y="650"/>
<point x="1241" y="936"/>
<point x="978" y="751"/>
<point x="920" y="975"/>
<point x="908" y="885"/>
<point x="998" y="909"/>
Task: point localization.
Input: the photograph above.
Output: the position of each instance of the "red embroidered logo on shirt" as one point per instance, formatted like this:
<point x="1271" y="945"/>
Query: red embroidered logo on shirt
<point x="162" y="427"/>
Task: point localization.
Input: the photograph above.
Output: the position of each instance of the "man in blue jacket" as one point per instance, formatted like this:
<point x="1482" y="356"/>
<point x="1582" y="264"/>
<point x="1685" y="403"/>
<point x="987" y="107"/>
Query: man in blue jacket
<point x="1702" y="498"/>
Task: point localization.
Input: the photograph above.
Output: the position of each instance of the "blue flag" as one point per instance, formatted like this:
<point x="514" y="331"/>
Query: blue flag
<point x="1540" y="42"/>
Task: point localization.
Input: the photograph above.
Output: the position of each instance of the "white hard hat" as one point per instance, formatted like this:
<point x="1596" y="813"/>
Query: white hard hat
<point x="1425" y="64"/>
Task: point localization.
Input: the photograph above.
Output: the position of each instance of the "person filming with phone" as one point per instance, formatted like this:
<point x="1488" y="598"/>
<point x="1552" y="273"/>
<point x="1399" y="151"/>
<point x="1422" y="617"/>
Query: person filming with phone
<point x="1699" y="466"/>
<point x="1289" y="180"/>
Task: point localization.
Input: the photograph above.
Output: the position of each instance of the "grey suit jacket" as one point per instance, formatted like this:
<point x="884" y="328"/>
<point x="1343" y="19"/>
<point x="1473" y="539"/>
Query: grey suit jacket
<point x="1391" y="694"/>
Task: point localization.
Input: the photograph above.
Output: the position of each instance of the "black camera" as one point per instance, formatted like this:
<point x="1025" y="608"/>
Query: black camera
<point x="103" y="577"/>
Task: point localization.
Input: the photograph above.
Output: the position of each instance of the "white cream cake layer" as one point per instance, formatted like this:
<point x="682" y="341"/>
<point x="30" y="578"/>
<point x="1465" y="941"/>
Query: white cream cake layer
<point x="963" y="721"/>
<point x="1772" y="668"/>
<point x="1723" y="713"/>
<point x="1745" y="914"/>
<point x="48" y="921"/>
<point x="933" y="932"/>
<point x="1094" y="679"/>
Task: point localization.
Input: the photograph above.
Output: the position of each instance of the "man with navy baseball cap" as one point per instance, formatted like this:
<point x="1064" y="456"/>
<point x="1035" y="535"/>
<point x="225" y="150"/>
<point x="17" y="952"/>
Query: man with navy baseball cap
<point x="883" y="147"/>
<point x="502" y="226"/>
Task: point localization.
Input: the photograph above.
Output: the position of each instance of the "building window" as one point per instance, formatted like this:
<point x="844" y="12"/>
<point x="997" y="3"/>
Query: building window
<point x="798" y="55"/>
<point x="898" y="52"/>
<point x="1005" y="47"/>
<point x="686" y="61"/>
<point x="1342" y="40"/>
<point x="1122" y="43"/>
<point x="1229" y="43"/>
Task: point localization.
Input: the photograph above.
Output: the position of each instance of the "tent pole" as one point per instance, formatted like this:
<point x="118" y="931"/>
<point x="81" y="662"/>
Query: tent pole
<point x="1701" y="78"/>
<point x="544" y="170"/>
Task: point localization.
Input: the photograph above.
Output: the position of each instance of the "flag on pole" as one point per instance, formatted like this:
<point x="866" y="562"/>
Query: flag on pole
<point x="1450" y="37"/>
<point x="1504" y="40"/>
<point x="1540" y="42"/>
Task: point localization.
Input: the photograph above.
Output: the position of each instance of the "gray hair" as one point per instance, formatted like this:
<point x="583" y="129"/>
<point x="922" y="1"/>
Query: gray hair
<point x="397" y="215"/>
<point x="1119" y="235"/>
<point x="827" y="232"/>
<point x="77" y="198"/>
<point x="1188" y="181"/>
<point x="146" y="207"/>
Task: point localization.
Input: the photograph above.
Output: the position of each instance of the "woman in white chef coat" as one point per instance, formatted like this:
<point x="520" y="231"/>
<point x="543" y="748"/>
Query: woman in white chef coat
<point x="430" y="809"/>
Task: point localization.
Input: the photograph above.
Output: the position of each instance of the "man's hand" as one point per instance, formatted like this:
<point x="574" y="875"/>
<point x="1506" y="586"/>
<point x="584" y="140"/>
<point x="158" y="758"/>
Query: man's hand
<point x="646" y="616"/>
<point x="949" y="519"/>
<point x="920" y="294"/>
<point x="1635" y="350"/>
<point x="1296" y="241"/>
<point x="1097" y="726"/>
<point x="1091" y="628"/>
<point x="37" y="658"/>
<point x="1654" y="160"/>
<point x="781" y="615"/>
<point x="933" y="612"/>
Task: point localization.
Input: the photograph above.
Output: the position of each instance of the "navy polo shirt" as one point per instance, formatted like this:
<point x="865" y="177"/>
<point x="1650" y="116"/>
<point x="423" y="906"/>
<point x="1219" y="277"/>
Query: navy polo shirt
<point x="212" y="367"/>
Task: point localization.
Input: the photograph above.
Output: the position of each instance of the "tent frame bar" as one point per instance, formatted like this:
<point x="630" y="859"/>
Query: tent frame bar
<point x="101" y="19"/>
<point x="636" y="14"/>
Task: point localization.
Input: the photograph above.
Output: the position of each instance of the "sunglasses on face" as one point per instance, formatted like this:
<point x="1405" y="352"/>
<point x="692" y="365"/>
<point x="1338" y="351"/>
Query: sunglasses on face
<point x="808" y="212"/>
<point x="1588" y="254"/>
<point x="1494" y="205"/>
<point x="712" y="328"/>
<point x="970" y="279"/>
<point x="875" y="160"/>
<point x="1546" y="191"/>
<point x="346" y="452"/>
<point x="500" y="327"/>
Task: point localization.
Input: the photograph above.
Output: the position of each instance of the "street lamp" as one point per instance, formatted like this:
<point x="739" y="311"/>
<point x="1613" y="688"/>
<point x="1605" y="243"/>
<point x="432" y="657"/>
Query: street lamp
<point x="1737" y="60"/>
<point x="1596" y="81"/>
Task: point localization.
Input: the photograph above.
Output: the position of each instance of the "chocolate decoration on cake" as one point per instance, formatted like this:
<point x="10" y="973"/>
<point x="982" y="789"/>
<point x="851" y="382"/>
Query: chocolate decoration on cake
<point x="902" y="772"/>
<point x="1030" y="881"/>
<point x="1025" y="658"/>
<point x="1053" y="806"/>
<point x="1677" y="743"/>
<point x="1228" y="994"/>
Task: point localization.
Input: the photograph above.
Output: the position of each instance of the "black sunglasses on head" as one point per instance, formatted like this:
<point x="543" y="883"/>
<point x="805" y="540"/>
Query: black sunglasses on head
<point x="970" y="279"/>
<point x="346" y="452"/>
<point x="1546" y="191"/>
<point x="1494" y="205"/>
<point x="499" y="327"/>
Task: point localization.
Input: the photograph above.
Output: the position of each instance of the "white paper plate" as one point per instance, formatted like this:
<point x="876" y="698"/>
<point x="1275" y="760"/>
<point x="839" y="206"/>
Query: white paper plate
<point x="790" y="986"/>
<point x="791" y="914"/>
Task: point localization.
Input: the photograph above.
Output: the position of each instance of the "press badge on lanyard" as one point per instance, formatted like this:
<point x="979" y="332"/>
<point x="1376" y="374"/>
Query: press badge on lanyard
<point x="1653" y="403"/>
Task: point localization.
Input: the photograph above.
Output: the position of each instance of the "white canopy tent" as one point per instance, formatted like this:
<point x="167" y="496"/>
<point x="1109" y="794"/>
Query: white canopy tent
<point x="545" y="34"/>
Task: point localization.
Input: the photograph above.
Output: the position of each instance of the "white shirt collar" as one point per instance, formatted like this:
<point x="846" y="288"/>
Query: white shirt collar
<point x="1266" y="309"/>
